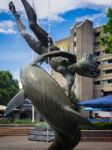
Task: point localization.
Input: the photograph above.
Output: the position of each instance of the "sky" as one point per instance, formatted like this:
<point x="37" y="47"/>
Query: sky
<point x="59" y="15"/>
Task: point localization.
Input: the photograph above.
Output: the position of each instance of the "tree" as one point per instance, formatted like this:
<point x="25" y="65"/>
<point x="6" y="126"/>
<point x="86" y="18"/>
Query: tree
<point x="8" y="87"/>
<point x="106" y="38"/>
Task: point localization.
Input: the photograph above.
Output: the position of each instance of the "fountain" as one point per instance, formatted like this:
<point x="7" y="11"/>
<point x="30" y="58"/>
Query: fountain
<point x="43" y="91"/>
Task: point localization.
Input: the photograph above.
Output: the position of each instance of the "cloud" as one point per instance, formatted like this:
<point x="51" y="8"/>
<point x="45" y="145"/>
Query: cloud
<point x="55" y="8"/>
<point x="7" y="27"/>
<point x="98" y="3"/>
<point x="16" y="75"/>
<point x="96" y="18"/>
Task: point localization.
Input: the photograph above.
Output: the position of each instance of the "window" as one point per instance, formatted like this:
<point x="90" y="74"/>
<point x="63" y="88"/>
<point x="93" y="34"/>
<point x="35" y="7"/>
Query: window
<point x="74" y="50"/>
<point x="108" y="71"/>
<point x="97" y="34"/>
<point x="107" y="61"/>
<point x="97" y="82"/>
<point x="110" y="61"/>
<point x="74" y="34"/>
<point x="74" y="43"/>
<point x="102" y="71"/>
<point x="97" y="53"/>
<point x="98" y="62"/>
<point x="75" y="38"/>
<point x="107" y="81"/>
<point x="97" y="44"/>
<point x="110" y="81"/>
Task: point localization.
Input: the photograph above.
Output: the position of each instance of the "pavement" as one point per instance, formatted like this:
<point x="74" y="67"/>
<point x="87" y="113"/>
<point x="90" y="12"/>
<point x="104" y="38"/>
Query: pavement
<point x="22" y="143"/>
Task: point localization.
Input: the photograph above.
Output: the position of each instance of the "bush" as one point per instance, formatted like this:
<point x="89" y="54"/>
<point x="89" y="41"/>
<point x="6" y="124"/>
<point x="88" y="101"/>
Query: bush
<point x="17" y="121"/>
<point x="42" y="125"/>
<point x="103" y="126"/>
<point x="23" y="121"/>
<point x="99" y="126"/>
<point x="5" y="121"/>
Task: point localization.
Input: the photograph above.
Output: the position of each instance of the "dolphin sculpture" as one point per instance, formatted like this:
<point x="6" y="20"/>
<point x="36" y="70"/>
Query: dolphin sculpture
<point x="48" y="98"/>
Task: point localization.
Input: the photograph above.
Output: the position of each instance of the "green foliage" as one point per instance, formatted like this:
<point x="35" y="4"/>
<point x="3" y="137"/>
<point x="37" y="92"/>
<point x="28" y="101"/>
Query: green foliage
<point x="17" y="121"/>
<point x="106" y="37"/>
<point x="99" y="126"/>
<point x="8" y="87"/>
<point x="23" y="121"/>
<point x="103" y="126"/>
<point x="42" y="125"/>
<point x="5" y="121"/>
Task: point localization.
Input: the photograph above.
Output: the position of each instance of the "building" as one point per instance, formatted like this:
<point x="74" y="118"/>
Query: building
<point x="85" y="38"/>
<point x="64" y="45"/>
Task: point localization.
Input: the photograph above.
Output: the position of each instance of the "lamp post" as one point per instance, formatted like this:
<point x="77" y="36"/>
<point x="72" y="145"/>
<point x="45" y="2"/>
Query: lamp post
<point x="33" y="109"/>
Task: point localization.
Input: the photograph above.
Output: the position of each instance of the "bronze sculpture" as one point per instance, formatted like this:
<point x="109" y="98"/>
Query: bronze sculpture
<point x="47" y="96"/>
<point x="44" y="92"/>
<point x="62" y="62"/>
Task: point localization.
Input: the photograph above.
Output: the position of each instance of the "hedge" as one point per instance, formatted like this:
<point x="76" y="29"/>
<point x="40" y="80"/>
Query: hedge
<point x="99" y="126"/>
<point x="44" y="125"/>
<point x="17" y="121"/>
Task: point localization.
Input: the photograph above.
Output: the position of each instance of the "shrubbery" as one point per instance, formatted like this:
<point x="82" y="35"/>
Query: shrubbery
<point x="103" y="126"/>
<point x="5" y="121"/>
<point x="44" y="125"/>
<point x="26" y="121"/>
<point x="99" y="126"/>
<point x="17" y="121"/>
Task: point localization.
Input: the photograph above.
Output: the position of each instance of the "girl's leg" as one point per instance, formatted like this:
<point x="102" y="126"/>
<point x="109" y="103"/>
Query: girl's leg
<point x="32" y="42"/>
<point x="38" y="31"/>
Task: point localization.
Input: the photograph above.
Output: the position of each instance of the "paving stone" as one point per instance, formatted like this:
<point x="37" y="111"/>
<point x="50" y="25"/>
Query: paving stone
<point x="22" y="143"/>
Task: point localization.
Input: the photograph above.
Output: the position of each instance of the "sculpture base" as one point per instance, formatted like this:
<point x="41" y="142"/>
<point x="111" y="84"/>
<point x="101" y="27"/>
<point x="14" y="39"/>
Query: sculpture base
<point x="41" y="135"/>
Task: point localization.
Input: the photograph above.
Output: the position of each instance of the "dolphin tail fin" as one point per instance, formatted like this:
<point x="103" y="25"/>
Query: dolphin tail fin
<point x="16" y="101"/>
<point x="77" y="118"/>
<point x="65" y="142"/>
